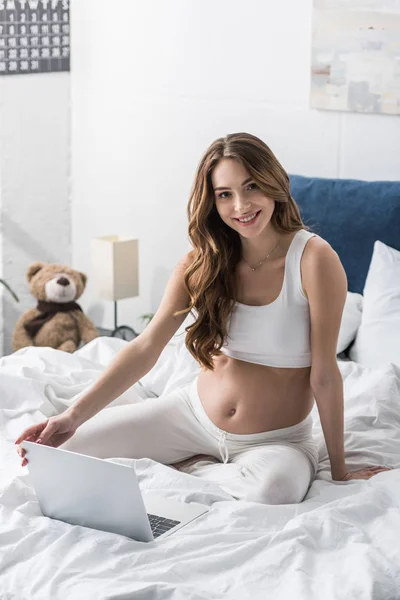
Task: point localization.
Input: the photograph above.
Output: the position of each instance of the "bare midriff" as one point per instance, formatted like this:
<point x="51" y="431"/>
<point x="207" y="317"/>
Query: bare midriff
<point x="243" y="397"/>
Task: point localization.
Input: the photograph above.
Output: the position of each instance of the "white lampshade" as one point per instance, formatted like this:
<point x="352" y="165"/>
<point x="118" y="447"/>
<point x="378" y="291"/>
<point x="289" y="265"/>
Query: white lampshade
<point x="115" y="268"/>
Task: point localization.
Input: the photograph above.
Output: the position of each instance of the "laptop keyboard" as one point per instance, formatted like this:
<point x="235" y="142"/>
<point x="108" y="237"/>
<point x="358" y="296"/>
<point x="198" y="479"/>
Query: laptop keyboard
<point x="160" y="525"/>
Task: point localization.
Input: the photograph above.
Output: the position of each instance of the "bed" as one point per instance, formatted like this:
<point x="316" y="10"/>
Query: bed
<point x="341" y="542"/>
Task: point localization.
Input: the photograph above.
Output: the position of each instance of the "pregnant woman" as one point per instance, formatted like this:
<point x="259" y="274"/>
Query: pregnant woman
<point x="267" y="295"/>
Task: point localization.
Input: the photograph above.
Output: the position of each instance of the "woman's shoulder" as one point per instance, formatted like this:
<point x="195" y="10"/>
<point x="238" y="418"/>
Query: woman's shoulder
<point x="316" y="246"/>
<point x="186" y="260"/>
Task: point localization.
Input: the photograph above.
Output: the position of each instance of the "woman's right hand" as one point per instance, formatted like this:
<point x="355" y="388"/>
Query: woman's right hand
<point x="51" y="432"/>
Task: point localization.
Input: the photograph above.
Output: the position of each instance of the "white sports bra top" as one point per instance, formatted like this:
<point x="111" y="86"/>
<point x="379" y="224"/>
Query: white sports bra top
<point x="275" y="334"/>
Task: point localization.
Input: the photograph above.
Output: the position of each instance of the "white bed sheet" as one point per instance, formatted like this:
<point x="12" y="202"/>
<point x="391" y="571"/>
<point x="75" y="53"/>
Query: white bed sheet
<point x="341" y="542"/>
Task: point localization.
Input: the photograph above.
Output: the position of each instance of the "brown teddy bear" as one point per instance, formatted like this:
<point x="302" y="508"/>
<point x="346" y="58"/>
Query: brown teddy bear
<point x="57" y="321"/>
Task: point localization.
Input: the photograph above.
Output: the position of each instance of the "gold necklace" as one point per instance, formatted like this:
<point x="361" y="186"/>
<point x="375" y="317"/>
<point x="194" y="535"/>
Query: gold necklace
<point x="259" y="265"/>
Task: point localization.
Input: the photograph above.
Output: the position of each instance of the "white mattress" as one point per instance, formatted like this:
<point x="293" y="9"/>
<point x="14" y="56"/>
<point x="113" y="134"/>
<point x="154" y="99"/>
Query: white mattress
<point x="341" y="542"/>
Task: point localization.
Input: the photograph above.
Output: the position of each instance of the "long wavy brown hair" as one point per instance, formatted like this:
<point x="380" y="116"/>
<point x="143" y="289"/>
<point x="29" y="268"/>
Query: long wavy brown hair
<point x="210" y="280"/>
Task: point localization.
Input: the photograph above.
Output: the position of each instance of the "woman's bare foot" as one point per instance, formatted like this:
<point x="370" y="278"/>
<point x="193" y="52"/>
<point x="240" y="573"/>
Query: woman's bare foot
<point x="190" y="461"/>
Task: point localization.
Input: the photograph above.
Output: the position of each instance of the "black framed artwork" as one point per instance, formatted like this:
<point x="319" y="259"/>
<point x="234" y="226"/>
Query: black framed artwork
<point x="34" y="36"/>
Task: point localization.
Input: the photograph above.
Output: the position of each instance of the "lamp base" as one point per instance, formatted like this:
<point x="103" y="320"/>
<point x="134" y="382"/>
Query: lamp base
<point x="124" y="332"/>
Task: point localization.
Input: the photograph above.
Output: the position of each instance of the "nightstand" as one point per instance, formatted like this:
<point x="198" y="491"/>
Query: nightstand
<point x="103" y="331"/>
<point x="123" y="332"/>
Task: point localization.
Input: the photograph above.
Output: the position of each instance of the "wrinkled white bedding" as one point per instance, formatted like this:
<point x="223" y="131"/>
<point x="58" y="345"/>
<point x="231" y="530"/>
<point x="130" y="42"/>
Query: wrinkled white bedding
<point x="341" y="542"/>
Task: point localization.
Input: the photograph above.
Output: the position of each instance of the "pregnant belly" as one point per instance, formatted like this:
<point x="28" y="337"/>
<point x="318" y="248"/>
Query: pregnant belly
<point x="244" y="398"/>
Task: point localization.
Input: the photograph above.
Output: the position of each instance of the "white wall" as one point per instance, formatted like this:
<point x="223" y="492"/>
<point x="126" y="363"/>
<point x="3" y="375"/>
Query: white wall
<point x="34" y="184"/>
<point x="154" y="83"/>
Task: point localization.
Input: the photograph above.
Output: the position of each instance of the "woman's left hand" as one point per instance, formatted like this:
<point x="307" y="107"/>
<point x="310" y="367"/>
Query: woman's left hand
<point x="364" y="473"/>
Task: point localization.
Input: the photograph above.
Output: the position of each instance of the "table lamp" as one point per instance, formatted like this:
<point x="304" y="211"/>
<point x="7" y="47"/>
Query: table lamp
<point x="115" y="269"/>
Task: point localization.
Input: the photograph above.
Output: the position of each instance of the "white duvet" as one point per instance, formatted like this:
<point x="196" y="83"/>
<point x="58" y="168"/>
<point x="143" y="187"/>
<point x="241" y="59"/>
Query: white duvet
<point x="341" y="542"/>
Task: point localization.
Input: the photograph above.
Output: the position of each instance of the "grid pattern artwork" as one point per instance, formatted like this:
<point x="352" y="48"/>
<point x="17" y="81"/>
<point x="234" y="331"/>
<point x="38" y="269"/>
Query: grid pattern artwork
<point x="355" y="56"/>
<point x="34" y="36"/>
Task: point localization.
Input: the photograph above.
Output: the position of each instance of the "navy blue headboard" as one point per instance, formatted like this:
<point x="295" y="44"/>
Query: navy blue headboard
<point x="351" y="215"/>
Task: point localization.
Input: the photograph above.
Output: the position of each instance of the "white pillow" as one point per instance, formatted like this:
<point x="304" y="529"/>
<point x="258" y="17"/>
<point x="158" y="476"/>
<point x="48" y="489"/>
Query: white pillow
<point x="378" y="338"/>
<point x="351" y="320"/>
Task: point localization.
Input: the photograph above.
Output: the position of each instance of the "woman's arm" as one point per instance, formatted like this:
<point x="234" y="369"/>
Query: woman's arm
<point x="329" y="399"/>
<point x="139" y="356"/>
<point x="325" y="284"/>
<point x="130" y="364"/>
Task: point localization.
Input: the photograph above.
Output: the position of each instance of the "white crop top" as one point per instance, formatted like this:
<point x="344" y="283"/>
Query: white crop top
<point x="275" y="334"/>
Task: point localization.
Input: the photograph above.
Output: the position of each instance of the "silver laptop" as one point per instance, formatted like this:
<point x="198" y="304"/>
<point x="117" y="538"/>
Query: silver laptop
<point x="97" y="493"/>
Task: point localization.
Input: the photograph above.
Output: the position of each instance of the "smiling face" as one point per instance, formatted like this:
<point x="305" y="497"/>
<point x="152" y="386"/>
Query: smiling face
<point x="237" y="195"/>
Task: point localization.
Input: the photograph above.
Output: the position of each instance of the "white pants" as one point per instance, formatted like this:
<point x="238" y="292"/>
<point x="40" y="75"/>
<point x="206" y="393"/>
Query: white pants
<point x="272" y="467"/>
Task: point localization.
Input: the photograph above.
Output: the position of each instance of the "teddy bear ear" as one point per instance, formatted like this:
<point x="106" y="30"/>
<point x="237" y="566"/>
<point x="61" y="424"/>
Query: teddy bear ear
<point x="33" y="269"/>
<point x="84" y="278"/>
